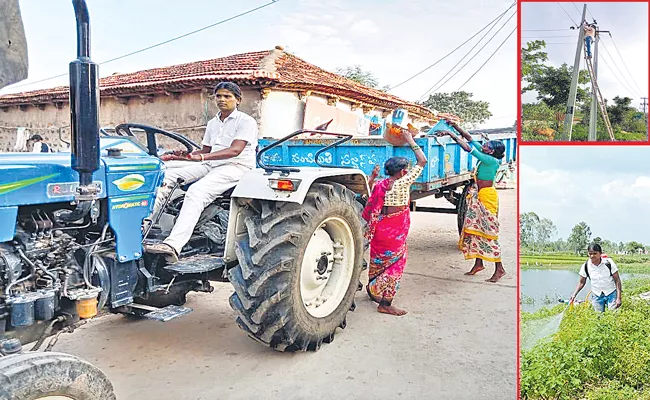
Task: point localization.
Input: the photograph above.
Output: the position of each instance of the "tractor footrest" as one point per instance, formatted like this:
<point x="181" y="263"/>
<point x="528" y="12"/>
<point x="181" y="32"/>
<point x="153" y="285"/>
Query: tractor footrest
<point x="162" y="314"/>
<point x="196" y="264"/>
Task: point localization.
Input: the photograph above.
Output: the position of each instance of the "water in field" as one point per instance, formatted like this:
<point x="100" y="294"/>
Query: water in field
<point x="543" y="287"/>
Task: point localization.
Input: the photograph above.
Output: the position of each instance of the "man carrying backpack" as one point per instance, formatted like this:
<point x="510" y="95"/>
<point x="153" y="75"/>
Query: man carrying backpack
<point x="605" y="280"/>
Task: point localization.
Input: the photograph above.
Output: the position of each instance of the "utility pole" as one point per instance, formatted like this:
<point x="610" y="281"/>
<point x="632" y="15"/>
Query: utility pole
<point x="593" y="115"/>
<point x="645" y="116"/>
<point x="571" y="102"/>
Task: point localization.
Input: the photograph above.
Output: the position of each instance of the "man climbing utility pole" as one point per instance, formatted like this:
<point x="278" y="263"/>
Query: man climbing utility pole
<point x="571" y="101"/>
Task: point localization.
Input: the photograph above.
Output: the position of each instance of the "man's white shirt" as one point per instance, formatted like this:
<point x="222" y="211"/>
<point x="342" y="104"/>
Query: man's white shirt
<point x="601" y="281"/>
<point x="237" y="126"/>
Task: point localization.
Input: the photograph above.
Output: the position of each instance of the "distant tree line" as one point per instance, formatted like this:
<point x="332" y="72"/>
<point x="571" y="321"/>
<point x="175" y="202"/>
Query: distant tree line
<point x="537" y="235"/>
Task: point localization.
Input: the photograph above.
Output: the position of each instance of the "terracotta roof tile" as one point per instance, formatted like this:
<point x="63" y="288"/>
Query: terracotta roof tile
<point x="273" y="68"/>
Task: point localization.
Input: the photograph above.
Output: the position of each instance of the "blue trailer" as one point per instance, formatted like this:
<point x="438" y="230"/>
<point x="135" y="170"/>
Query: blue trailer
<point x="447" y="174"/>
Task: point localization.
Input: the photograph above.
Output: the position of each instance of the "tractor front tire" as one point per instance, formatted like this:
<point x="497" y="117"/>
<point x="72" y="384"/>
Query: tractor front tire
<point x="299" y="269"/>
<point x="42" y="375"/>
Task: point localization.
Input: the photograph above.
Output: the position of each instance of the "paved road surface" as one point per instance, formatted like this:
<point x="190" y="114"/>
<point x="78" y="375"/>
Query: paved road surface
<point x="457" y="342"/>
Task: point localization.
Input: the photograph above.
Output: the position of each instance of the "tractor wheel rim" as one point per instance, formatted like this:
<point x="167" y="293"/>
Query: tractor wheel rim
<point x="327" y="267"/>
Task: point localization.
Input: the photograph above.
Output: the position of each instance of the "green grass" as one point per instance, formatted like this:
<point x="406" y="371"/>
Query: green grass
<point x="593" y="356"/>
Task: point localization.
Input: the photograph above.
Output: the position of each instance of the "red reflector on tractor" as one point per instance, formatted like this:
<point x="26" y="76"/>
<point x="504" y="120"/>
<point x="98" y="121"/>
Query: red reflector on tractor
<point x="283" y="184"/>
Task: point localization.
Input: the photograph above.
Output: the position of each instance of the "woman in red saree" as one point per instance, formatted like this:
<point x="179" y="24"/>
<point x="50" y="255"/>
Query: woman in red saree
<point x="388" y="216"/>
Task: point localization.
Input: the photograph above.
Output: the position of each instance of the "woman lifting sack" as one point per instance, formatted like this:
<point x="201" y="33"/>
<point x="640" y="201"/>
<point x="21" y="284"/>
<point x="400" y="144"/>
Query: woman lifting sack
<point x="479" y="239"/>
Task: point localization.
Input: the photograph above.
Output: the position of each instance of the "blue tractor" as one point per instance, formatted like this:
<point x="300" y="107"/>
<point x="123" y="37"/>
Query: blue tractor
<point x="71" y="243"/>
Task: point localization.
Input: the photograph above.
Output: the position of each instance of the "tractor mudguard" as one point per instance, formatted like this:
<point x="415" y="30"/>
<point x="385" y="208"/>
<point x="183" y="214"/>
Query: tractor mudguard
<point x="257" y="184"/>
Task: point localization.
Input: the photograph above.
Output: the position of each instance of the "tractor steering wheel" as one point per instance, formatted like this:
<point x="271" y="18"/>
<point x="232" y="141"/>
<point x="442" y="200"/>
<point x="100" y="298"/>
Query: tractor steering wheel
<point x="151" y="132"/>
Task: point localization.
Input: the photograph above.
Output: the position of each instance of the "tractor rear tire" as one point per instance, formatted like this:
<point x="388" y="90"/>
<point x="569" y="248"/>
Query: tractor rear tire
<point x="291" y="292"/>
<point x="41" y="375"/>
<point x="461" y="208"/>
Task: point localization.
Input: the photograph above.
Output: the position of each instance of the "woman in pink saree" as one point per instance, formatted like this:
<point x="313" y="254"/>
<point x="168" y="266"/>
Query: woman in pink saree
<point x="388" y="216"/>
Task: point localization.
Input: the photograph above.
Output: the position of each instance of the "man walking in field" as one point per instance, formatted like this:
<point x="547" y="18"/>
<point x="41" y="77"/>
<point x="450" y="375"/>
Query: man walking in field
<point x="605" y="280"/>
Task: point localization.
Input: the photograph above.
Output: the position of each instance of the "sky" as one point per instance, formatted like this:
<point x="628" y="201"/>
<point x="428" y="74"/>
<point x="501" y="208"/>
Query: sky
<point x="392" y="39"/>
<point x="628" y="24"/>
<point x="608" y="187"/>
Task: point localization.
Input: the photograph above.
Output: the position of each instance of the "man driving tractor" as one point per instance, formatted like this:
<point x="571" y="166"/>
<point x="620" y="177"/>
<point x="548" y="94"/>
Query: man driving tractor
<point x="228" y="152"/>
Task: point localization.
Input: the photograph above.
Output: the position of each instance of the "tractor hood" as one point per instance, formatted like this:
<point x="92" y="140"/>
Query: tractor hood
<point x="13" y="45"/>
<point x="39" y="178"/>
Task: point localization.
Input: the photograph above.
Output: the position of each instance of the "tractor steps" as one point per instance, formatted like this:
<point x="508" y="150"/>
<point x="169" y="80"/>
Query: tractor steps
<point x="160" y="314"/>
<point x="197" y="264"/>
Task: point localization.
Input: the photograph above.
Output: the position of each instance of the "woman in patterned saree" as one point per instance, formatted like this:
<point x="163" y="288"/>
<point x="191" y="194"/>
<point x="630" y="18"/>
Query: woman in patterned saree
<point x="479" y="239"/>
<point x="388" y="216"/>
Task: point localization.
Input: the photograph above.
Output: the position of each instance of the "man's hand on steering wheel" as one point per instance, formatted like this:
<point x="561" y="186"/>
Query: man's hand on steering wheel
<point x="177" y="155"/>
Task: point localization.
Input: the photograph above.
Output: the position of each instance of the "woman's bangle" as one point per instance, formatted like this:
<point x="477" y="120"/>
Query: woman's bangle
<point x="415" y="147"/>
<point x="201" y="154"/>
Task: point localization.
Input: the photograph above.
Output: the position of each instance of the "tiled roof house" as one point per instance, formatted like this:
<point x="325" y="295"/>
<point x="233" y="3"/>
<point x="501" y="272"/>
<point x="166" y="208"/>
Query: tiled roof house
<point x="153" y="95"/>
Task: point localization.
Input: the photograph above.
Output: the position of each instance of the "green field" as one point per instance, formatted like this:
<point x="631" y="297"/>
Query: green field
<point x="591" y="356"/>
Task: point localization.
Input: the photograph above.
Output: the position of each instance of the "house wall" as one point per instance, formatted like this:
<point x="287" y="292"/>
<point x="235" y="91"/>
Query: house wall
<point x="278" y="114"/>
<point x="283" y="112"/>
<point x="187" y="114"/>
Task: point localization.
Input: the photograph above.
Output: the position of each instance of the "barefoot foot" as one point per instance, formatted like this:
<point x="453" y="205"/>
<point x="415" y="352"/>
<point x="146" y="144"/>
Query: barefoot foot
<point x="496" y="276"/>
<point x="391" y="310"/>
<point x="475" y="270"/>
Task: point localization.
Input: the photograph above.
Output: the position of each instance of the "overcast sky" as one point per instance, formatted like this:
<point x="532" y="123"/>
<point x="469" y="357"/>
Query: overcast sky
<point x="628" y="24"/>
<point x="606" y="186"/>
<point x="393" y="39"/>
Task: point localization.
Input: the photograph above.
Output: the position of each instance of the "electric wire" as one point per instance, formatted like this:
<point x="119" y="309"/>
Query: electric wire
<point x="162" y="43"/>
<point x="623" y="61"/>
<point x="534" y="37"/>
<point x="626" y="85"/>
<point x="437" y="87"/>
<point x="543" y="30"/>
<point x="567" y="14"/>
<point x="451" y="52"/>
<point x="486" y="61"/>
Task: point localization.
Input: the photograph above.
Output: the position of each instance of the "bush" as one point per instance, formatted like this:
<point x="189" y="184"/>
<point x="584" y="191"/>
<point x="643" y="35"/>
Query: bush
<point x="593" y="356"/>
<point x="580" y="133"/>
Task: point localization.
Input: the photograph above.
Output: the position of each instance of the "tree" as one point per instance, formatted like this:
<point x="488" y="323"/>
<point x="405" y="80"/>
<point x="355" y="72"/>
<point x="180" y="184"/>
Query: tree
<point x="537" y="112"/>
<point x="552" y="85"/>
<point x="472" y="112"/>
<point x="527" y="226"/>
<point x="607" y="245"/>
<point x="618" y="111"/>
<point x="357" y="74"/>
<point x="535" y="233"/>
<point x="533" y="58"/>
<point x="545" y="231"/>
<point x="579" y="237"/>
<point x="634" y="247"/>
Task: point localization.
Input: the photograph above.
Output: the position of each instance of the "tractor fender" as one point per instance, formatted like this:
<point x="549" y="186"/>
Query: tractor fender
<point x="254" y="185"/>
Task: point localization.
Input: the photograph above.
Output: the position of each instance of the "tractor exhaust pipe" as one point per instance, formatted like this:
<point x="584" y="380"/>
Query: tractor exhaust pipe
<point x="84" y="111"/>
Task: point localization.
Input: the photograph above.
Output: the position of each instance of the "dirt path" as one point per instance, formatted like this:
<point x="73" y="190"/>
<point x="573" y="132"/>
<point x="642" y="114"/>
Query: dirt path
<point x="457" y="342"/>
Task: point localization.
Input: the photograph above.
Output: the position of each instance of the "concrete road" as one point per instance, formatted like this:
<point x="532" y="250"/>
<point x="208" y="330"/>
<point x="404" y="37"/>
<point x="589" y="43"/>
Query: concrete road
<point x="457" y="342"/>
